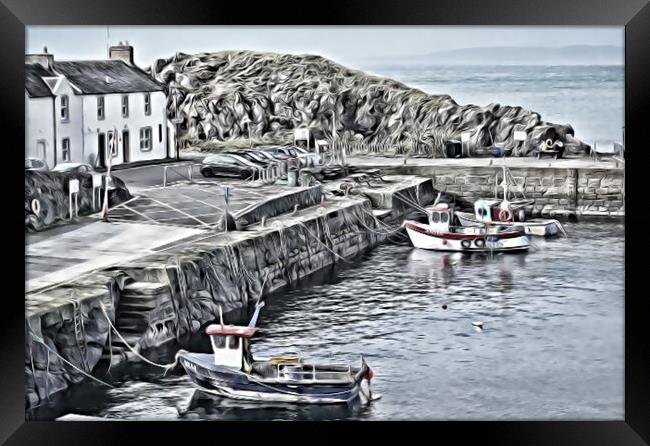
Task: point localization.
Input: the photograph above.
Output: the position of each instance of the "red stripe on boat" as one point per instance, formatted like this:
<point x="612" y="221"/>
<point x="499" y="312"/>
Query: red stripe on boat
<point x="230" y="330"/>
<point x="456" y="236"/>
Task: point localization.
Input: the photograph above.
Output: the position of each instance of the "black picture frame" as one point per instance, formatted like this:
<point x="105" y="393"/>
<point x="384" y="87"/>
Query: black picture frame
<point x="633" y="14"/>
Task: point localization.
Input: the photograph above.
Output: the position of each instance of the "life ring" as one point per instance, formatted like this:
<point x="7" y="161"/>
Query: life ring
<point x="479" y="242"/>
<point x="36" y="207"/>
<point x="505" y="215"/>
<point x="466" y="243"/>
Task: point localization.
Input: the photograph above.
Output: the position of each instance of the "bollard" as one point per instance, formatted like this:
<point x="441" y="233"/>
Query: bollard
<point x="263" y="222"/>
<point x="189" y="172"/>
<point x="164" y="176"/>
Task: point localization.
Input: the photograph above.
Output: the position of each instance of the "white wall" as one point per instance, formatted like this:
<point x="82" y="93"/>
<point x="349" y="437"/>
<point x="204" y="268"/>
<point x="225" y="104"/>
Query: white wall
<point x="133" y="123"/>
<point x="39" y="127"/>
<point x="71" y="128"/>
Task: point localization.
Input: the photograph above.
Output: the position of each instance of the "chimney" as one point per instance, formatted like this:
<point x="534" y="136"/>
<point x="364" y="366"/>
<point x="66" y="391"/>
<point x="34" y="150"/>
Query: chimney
<point x="123" y="51"/>
<point x="44" y="59"/>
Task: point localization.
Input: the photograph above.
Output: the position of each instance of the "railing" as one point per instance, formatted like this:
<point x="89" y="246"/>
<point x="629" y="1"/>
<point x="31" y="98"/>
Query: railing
<point x="313" y="373"/>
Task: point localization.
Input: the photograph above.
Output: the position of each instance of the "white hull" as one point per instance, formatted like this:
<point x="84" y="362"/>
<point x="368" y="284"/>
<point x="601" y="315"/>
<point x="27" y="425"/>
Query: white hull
<point x="538" y="228"/>
<point x="422" y="238"/>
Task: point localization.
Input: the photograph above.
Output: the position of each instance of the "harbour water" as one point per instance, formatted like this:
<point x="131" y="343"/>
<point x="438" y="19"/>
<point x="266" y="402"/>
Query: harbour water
<point x="551" y="346"/>
<point x="589" y="97"/>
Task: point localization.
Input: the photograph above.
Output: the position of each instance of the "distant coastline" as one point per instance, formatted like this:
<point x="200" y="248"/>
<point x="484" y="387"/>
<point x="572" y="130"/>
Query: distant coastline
<point x="512" y="55"/>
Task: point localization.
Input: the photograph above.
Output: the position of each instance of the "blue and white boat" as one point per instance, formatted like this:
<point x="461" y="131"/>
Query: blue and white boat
<point x="232" y="372"/>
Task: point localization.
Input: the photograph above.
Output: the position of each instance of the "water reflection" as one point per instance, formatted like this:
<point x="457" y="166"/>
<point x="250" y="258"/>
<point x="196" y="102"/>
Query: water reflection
<point x="210" y="407"/>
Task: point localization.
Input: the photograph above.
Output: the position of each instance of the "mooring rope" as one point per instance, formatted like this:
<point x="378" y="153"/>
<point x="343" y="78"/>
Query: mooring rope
<point x="410" y="202"/>
<point x="319" y="241"/>
<point x="41" y="341"/>
<point x="108" y="319"/>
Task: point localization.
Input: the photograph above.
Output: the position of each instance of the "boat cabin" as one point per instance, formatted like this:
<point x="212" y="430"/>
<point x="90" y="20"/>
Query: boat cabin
<point x="231" y="345"/>
<point x="440" y="217"/>
<point x="487" y="210"/>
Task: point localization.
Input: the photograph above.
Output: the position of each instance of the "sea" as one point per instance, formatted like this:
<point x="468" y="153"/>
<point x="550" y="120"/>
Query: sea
<point x="590" y="98"/>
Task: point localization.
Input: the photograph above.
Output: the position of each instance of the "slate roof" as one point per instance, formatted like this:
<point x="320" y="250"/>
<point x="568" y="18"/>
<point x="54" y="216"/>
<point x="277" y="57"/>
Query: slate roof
<point x="90" y="77"/>
<point x="34" y="84"/>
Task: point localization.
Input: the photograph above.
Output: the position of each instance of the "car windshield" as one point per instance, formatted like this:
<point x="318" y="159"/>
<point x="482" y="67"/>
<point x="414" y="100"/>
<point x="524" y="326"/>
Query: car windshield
<point x="220" y="159"/>
<point x="34" y="164"/>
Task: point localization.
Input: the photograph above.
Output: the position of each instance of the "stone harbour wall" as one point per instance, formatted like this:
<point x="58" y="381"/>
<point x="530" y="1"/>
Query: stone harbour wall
<point x="179" y="291"/>
<point x="555" y="191"/>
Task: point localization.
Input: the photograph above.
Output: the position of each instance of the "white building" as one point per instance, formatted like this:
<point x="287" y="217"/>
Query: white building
<point x="74" y="108"/>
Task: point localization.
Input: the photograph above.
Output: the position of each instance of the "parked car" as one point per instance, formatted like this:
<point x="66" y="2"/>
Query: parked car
<point x="306" y="159"/>
<point x="36" y="164"/>
<point x="74" y="168"/>
<point x="312" y="159"/>
<point x="226" y="165"/>
<point x="251" y="156"/>
<point x="276" y="153"/>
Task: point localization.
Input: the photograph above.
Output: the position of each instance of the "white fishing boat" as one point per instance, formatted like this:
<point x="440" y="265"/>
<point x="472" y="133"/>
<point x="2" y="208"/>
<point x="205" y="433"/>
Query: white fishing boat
<point x="440" y="235"/>
<point x="506" y="213"/>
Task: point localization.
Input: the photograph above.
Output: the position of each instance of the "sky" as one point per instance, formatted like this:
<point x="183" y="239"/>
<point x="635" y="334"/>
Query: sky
<point x="348" y="45"/>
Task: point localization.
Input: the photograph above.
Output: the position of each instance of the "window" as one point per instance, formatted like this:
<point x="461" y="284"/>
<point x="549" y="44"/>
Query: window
<point x="159" y="132"/>
<point x="65" y="106"/>
<point x="233" y="342"/>
<point x="444" y="217"/>
<point x="147" y="104"/>
<point x="218" y="341"/>
<point x="100" y="108"/>
<point x="65" y="149"/>
<point x="435" y="217"/>
<point x="125" y="106"/>
<point x="112" y="143"/>
<point x="145" y="139"/>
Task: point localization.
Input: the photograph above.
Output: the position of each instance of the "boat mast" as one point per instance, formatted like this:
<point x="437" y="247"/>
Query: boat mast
<point x="504" y="183"/>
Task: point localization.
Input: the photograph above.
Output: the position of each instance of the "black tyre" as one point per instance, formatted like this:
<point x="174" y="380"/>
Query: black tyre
<point x="207" y="172"/>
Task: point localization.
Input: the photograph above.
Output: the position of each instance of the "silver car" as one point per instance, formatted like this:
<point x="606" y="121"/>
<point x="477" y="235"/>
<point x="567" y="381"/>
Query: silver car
<point x="36" y="164"/>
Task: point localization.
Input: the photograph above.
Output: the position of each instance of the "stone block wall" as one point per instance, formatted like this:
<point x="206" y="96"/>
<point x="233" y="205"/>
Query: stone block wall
<point x="555" y="191"/>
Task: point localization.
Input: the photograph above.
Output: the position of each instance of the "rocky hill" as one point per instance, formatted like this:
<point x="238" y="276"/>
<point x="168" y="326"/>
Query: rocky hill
<point x="218" y="95"/>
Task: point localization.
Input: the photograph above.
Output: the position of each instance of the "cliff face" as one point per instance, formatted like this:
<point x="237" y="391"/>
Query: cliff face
<point x="218" y="95"/>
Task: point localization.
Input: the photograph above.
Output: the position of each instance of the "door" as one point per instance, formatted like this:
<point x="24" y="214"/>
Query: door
<point x="126" y="146"/>
<point x="101" y="149"/>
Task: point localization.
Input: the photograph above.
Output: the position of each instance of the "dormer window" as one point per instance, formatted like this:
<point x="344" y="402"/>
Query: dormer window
<point x="147" y="104"/>
<point x="65" y="108"/>
<point x="101" y="110"/>
<point x="125" y="106"/>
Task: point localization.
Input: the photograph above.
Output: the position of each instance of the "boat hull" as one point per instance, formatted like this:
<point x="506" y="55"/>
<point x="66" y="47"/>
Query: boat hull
<point x="541" y="228"/>
<point x="423" y="238"/>
<point x="235" y="384"/>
